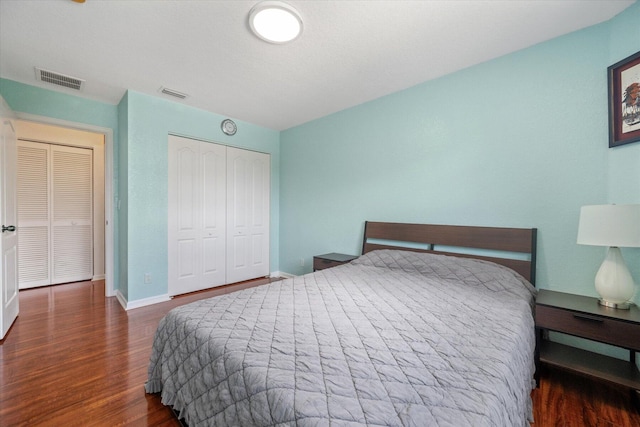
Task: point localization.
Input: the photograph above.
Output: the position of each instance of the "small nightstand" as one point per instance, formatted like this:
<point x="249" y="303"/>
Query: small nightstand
<point x="320" y="262"/>
<point x="582" y="317"/>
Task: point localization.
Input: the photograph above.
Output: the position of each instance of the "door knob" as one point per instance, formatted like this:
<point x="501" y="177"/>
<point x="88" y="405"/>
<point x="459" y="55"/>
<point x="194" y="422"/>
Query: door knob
<point x="8" y="228"/>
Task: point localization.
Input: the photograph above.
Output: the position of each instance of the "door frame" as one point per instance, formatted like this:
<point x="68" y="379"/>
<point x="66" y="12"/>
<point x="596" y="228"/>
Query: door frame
<point x="109" y="229"/>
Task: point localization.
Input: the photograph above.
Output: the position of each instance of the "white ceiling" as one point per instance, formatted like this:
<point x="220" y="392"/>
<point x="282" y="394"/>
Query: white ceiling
<point x="350" y="52"/>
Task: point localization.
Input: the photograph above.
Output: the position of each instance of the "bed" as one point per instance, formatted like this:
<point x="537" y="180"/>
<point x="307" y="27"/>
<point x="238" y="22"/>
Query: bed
<point x="418" y="336"/>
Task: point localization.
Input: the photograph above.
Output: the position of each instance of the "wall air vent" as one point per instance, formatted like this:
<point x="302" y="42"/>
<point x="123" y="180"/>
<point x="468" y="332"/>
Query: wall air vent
<point x="52" y="77"/>
<point x="173" y="93"/>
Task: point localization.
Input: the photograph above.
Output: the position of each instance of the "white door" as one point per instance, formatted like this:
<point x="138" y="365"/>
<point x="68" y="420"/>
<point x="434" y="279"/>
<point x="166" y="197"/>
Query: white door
<point x="55" y="205"/>
<point x="8" y="221"/>
<point x="33" y="220"/>
<point x="196" y="215"/>
<point x="214" y="216"/>
<point x="71" y="214"/>
<point x="248" y="183"/>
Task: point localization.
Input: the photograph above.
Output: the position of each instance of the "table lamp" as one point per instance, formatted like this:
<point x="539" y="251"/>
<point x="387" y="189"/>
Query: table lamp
<point x="614" y="226"/>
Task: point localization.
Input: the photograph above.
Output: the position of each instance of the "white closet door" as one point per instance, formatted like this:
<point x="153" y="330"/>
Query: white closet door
<point x="248" y="183"/>
<point x="71" y="214"/>
<point x="214" y="216"/>
<point x="196" y="215"/>
<point x="34" y="268"/>
<point x="184" y="208"/>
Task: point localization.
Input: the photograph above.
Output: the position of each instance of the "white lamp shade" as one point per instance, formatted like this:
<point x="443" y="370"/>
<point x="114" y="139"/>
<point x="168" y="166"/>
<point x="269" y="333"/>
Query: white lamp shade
<point x="610" y="225"/>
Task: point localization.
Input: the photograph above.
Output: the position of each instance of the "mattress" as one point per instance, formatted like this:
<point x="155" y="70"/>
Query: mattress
<point x="394" y="338"/>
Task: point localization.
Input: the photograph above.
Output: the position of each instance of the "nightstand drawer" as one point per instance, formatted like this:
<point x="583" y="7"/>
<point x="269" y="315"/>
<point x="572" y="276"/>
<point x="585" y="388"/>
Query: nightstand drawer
<point x="589" y="326"/>
<point x="321" y="263"/>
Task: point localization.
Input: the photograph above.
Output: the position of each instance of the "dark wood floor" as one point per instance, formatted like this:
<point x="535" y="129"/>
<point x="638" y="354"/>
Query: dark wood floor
<point x="74" y="358"/>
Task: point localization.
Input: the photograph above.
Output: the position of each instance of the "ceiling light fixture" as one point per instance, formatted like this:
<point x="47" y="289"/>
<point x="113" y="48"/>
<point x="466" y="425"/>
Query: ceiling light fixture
<point x="275" y="22"/>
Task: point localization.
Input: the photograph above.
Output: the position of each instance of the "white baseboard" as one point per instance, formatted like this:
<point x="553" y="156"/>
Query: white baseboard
<point x="130" y="305"/>
<point x="121" y="299"/>
<point x="98" y="277"/>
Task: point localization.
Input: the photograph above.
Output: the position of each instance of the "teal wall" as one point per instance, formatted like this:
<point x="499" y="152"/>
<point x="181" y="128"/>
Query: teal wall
<point x="30" y="99"/>
<point x="518" y="141"/>
<point x="623" y="163"/>
<point x="150" y="120"/>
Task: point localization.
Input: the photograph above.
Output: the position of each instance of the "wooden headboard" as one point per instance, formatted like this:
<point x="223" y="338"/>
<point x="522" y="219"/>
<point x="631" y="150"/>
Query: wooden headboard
<point x="514" y="240"/>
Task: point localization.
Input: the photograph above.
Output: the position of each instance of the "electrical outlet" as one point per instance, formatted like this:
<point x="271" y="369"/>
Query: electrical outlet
<point x="301" y="262"/>
<point x="147" y="278"/>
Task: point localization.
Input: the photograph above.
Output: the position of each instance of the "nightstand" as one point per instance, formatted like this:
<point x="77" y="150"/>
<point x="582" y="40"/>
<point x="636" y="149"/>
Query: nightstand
<point x="320" y="262"/>
<point x="582" y="317"/>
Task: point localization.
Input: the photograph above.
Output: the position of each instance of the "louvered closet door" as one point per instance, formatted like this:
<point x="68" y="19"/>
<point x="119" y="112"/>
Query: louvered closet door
<point x="55" y="214"/>
<point x="71" y="214"/>
<point x="33" y="214"/>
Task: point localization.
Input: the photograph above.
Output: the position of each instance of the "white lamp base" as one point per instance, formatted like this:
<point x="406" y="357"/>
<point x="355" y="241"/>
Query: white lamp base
<point x="619" y="306"/>
<point x="614" y="283"/>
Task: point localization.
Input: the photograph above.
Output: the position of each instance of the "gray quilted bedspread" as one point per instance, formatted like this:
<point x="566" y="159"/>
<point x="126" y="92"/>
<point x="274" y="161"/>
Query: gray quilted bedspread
<point x="392" y="339"/>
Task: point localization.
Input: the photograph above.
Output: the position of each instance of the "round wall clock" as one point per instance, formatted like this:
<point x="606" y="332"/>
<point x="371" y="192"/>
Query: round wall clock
<point x="228" y="126"/>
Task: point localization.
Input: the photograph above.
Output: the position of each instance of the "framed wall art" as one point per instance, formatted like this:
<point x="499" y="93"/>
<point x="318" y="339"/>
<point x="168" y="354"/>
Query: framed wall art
<point x="624" y="101"/>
